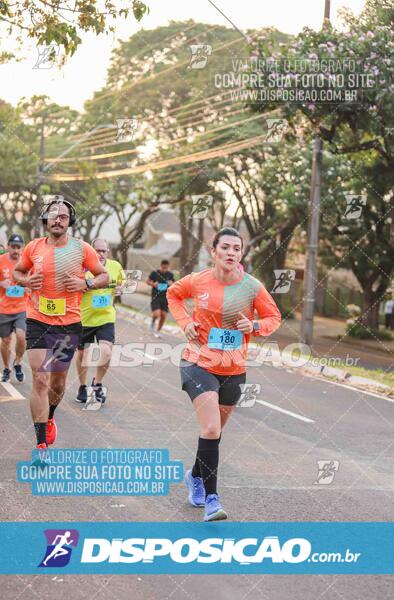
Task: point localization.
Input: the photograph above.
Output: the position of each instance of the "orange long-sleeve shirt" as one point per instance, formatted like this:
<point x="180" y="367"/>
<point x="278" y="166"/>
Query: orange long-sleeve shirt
<point x="217" y="305"/>
<point x="10" y="305"/>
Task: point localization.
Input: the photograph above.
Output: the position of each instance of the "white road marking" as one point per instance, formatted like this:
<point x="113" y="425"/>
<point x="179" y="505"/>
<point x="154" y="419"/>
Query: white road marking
<point x="14" y="394"/>
<point x="286" y="412"/>
<point x="139" y="351"/>
<point x="359" y="390"/>
<point x="154" y="357"/>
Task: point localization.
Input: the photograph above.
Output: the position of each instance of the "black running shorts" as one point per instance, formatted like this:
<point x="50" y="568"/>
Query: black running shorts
<point x="104" y="332"/>
<point x="196" y="381"/>
<point x="159" y="303"/>
<point x="59" y="341"/>
<point x="43" y="335"/>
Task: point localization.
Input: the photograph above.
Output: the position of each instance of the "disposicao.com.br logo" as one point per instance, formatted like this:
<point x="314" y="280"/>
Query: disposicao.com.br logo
<point x="209" y="550"/>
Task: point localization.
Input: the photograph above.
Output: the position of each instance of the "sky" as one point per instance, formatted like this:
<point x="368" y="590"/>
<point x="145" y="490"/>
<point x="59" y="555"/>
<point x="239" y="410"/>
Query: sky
<point x="86" y="71"/>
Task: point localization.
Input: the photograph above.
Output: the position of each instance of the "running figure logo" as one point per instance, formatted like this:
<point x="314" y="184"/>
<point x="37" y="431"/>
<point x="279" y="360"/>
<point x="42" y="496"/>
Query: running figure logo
<point x="91" y="403"/>
<point x="59" y="542"/>
<point x="283" y="279"/>
<point x="61" y="354"/>
<point x="200" y="54"/>
<point x="126" y="129"/>
<point x="354" y="206"/>
<point x="133" y="276"/>
<point x="201" y="204"/>
<point x="276" y="129"/>
<point x="326" y="471"/>
<point x="249" y="394"/>
<point x="53" y="211"/>
<point x="46" y="56"/>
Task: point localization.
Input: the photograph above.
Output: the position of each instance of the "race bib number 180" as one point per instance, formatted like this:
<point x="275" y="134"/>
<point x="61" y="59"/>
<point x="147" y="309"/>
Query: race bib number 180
<point x="224" y="339"/>
<point x="52" y="307"/>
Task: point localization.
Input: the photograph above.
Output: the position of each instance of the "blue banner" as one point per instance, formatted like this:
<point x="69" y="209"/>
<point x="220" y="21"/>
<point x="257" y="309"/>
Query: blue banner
<point x="197" y="548"/>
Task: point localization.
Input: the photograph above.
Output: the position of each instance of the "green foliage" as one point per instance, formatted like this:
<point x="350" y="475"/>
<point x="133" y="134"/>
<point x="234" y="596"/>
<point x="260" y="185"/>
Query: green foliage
<point x="60" y="22"/>
<point x="347" y="126"/>
<point x="361" y="332"/>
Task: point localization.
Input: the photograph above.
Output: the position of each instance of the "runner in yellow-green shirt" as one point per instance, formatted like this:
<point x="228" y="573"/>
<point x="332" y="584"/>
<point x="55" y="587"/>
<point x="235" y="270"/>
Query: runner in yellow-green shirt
<point x="98" y="317"/>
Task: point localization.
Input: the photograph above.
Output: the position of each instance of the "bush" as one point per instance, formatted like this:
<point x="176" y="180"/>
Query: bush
<point x="355" y="329"/>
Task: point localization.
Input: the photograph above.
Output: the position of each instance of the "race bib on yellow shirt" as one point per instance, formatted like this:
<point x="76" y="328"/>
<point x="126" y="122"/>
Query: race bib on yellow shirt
<point x="102" y="300"/>
<point x="52" y="307"/>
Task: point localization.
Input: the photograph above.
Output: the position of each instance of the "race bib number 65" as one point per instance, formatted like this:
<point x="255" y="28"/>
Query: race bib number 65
<point x="52" y="307"/>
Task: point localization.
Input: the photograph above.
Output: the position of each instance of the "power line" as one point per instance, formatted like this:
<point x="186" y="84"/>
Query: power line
<point x="107" y="139"/>
<point x="196" y="157"/>
<point x="167" y="143"/>
<point x="170" y="142"/>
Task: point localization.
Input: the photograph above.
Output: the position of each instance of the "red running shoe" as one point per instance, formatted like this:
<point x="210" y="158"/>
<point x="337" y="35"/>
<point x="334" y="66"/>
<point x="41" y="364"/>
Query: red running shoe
<point x="41" y="457"/>
<point x="51" y="432"/>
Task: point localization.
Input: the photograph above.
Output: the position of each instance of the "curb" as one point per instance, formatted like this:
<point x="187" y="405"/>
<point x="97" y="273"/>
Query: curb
<point x="347" y="378"/>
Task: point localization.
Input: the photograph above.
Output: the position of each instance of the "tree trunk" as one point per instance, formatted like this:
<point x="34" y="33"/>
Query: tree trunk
<point x="191" y="240"/>
<point x="370" y="315"/>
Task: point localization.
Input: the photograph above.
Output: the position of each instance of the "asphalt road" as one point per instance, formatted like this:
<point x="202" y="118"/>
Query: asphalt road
<point x="268" y="468"/>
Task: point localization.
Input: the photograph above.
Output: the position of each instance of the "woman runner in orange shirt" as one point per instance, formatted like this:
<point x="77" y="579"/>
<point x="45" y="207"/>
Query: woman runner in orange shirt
<point x="213" y="364"/>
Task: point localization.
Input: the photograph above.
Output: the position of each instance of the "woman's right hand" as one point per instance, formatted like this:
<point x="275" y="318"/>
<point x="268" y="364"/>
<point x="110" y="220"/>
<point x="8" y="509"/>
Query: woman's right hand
<point x="191" y="331"/>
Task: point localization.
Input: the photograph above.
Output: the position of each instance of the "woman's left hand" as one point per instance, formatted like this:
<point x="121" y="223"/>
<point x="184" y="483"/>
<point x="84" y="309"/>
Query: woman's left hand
<point x="244" y="324"/>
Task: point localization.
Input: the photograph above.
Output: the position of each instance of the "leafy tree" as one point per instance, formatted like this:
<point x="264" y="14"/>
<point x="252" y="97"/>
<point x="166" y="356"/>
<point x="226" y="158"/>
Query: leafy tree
<point x="363" y="244"/>
<point x="360" y="132"/>
<point x="61" y="21"/>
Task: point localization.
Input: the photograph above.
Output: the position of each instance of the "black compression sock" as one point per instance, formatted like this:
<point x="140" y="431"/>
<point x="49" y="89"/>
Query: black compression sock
<point x="208" y="458"/>
<point x="52" y="408"/>
<point x="196" y="467"/>
<point x="41" y="432"/>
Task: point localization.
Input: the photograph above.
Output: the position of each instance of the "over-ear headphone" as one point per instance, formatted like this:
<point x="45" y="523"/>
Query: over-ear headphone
<point x="59" y="200"/>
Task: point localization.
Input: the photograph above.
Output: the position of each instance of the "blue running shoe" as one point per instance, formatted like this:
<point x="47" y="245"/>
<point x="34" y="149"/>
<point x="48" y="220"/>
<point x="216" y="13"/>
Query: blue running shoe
<point x="19" y="374"/>
<point x="196" y="489"/>
<point x="6" y="375"/>
<point x="213" y="509"/>
<point x="82" y="396"/>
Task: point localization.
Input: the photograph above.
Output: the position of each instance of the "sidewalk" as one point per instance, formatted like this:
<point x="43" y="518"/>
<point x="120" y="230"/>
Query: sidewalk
<point x="369" y="354"/>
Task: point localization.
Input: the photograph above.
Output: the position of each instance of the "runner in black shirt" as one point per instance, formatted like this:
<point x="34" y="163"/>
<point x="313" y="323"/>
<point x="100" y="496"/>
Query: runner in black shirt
<point x="160" y="280"/>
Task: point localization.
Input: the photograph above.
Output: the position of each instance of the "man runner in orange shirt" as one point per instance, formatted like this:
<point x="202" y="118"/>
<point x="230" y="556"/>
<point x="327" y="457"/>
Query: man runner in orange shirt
<point x="53" y="268"/>
<point x="214" y="362"/>
<point x="12" y="310"/>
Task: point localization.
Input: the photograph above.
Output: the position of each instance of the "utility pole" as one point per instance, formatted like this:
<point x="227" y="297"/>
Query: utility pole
<point x="310" y="278"/>
<point x="40" y="172"/>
